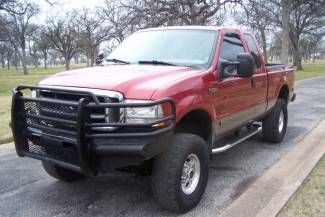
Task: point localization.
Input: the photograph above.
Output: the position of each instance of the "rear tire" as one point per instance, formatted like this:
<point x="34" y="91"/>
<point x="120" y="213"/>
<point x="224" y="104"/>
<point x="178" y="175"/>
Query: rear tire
<point x="180" y="174"/>
<point x="275" y="123"/>
<point x="61" y="173"/>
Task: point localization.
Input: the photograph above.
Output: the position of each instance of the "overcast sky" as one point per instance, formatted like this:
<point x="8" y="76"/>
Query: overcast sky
<point x="62" y="6"/>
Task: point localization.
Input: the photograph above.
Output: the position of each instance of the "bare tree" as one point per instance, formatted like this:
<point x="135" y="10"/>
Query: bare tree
<point x="179" y="12"/>
<point x="307" y="17"/>
<point x="3" y="51"/>
<point x="12" y="6"/>
<point x="117" y="16"/>
<point x="44" y="47"/>
<point x="93" y="33"/>
<point x="19" y="28"/>
<point x="285" y="24"/>
<point x="63" y="34"/>
<point x="258" y="17"/>
<point x="298" y="17"/>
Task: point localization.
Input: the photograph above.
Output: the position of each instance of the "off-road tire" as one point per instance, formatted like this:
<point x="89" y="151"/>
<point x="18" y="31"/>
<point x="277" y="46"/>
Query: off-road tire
<point x="168" y="168"/>
<point x="61" y="173"/>
<point x="271" y="132"/>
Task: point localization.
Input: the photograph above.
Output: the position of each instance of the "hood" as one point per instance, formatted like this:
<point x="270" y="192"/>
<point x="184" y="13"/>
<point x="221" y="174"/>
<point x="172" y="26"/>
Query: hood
<point x="133" y="81"/>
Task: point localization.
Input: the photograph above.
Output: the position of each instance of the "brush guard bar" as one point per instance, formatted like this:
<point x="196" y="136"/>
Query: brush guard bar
<point x="70" y="146"/>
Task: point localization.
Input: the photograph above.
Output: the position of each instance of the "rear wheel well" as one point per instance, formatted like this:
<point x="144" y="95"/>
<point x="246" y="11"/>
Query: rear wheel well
<point x="284" y="93"/>
<point x="196" y="122"/>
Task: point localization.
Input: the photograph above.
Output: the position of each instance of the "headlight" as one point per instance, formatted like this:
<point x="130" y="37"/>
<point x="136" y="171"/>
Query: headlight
<point x="142" y="114"/>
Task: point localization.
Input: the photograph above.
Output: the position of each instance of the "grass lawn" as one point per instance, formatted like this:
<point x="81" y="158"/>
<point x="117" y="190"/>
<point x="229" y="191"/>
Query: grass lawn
<point x="10" y="79"/>
<point x="311" y="70"/>
<point x="309" y="200"/>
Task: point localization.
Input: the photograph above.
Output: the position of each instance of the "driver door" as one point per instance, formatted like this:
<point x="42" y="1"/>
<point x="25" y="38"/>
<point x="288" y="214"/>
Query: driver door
<point x="233" y="102"/>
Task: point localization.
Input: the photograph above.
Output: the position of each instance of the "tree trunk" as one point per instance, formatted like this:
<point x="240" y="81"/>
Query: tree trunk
<point x="3" y="63"/>
<point x="24" y="61"/>
<point x="45" y="61"/>
<point x="8" y="62"/>
<point x="92" y="57"/>
<point x="285" y="30"/>
<point x="67" y="62"/>
<point x="87" y="60"/>
<point x="297" y="59"/>
<point x="264" y="44"/>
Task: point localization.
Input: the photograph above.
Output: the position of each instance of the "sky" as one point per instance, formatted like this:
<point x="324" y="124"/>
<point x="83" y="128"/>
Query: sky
<point x="62" y="6"/>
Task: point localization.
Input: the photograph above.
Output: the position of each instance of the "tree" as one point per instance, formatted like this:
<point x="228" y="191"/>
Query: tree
<point x="307" y="17"/>
<point x="258" y="17"/>
<point x="3" y="51"/>
<point x="42" y="45"/>
<point x="93" y="33"/>
<point x="178" y="12"/>
<point x="63" y="34"/>
<point x="118" y="18"/>
<point x="19" y="28"/>
<point x="299" y="17"/>
<point x="285" y="24"/>
<point x="12" y="6"/>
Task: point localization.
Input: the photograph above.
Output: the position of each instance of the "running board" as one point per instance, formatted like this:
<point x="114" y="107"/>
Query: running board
<point x="228" y="146"/>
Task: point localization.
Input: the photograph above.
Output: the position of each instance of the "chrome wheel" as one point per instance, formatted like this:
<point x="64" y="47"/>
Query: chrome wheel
<point x="190" y="174"/>
<point x="281" y="121"/>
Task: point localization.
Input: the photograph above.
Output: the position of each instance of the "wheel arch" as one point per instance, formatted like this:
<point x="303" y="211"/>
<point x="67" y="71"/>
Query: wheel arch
<point x="284" y="93"/>
<point x="198" y="122"/>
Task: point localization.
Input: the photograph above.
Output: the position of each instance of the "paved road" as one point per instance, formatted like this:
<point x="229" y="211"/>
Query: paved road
<point x="26" y="190"/>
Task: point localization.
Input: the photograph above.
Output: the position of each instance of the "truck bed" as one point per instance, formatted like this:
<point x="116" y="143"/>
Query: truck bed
<point x="271" y="67"/>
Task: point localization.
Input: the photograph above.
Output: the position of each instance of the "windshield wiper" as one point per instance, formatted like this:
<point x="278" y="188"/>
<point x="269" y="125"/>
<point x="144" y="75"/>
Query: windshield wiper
<point x="156" y="62"/>
<point x="117" y="61"/>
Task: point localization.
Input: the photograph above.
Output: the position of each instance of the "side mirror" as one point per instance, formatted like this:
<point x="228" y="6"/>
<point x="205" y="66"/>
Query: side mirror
<point x="243" y="67"/>
<point x="246" y="64"/>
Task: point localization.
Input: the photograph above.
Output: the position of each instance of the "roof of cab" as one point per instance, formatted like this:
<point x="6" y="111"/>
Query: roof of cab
<point x="213" y="28"/>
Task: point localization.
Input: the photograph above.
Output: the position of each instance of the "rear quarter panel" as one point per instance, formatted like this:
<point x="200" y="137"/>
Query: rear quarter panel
<point x="277" y="78"/>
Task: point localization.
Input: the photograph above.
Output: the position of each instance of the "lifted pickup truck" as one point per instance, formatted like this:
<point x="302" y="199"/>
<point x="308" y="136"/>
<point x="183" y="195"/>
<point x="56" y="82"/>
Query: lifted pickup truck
<point x="163" y="101"/>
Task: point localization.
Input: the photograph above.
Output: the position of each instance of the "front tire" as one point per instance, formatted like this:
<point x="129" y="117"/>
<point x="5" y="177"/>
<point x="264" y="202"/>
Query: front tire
<point x="61" y="173"/>
<point x="180" y="174"/>
<point x="275" y="123"/>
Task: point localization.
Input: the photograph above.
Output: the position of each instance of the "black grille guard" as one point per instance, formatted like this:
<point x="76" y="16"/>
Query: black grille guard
<point x="82" y="136"/>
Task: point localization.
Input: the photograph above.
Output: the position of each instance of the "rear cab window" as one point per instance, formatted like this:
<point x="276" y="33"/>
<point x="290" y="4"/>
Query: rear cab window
<point x="253" y="49"/>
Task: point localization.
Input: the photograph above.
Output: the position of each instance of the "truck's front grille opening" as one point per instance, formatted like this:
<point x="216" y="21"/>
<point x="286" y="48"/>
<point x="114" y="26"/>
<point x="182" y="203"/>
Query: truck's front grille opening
<point x="98" y="115"/>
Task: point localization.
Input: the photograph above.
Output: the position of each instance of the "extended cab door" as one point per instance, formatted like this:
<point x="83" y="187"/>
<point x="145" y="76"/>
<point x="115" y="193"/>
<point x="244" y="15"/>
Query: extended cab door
<point x="234" y="100"/>
<point x="259" y="78"/>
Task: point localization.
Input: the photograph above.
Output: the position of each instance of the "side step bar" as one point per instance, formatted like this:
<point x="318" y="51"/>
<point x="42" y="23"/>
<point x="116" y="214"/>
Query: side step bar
<point x="228" y="146"/>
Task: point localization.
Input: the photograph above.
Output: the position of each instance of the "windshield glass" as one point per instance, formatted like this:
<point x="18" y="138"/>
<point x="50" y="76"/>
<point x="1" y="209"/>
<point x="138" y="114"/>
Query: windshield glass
<point x="179" y="47"/>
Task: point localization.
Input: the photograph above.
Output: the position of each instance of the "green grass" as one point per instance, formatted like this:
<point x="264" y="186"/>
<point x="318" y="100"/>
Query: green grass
<point x="12" y="78"/>
<point x="309" y="200"/>
<point x="311" y="70"/>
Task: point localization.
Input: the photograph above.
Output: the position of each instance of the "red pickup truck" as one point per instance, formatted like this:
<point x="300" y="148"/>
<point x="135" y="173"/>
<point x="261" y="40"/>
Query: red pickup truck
<point x="161" y="103"/>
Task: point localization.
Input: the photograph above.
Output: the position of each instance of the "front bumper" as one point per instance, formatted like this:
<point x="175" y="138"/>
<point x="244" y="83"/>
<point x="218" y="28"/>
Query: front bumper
<point x="82" y="149"/>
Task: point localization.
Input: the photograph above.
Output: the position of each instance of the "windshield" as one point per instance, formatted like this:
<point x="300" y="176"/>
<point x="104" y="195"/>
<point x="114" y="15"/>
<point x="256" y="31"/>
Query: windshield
<point x="179" y="47"/>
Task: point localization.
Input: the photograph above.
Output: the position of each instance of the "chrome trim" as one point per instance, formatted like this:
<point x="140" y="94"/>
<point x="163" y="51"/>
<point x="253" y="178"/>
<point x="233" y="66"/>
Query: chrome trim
<point x="228" y="146"/>
<point x="97" y="92"/>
